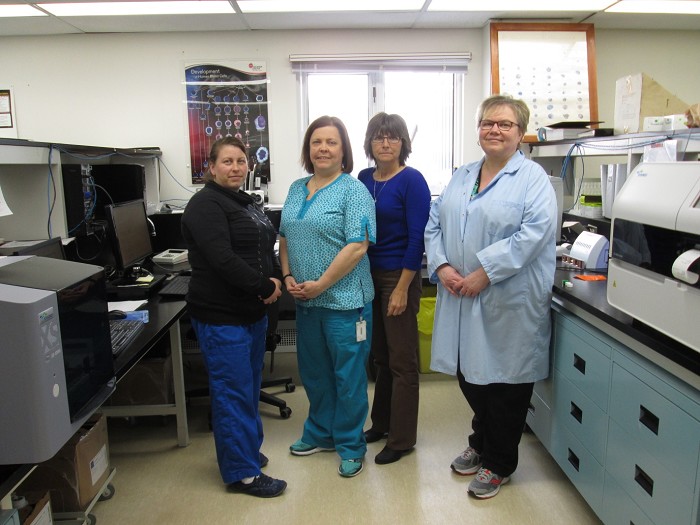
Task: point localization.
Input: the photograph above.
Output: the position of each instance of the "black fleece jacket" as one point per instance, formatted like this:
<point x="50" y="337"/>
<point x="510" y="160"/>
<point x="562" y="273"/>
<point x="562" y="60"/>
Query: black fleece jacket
<point x="231" y="252"/>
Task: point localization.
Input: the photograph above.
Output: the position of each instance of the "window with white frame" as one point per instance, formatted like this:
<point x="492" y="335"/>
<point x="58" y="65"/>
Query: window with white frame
<point x="425" y="91"/>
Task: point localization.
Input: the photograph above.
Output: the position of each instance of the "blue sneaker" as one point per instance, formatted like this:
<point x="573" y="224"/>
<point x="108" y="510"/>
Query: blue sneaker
<point x="350" y="468"/>
<point x="299" y="448"/>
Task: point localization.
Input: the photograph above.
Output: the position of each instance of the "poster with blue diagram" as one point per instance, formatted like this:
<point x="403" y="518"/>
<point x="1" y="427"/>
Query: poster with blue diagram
<point x="223" y="101"/>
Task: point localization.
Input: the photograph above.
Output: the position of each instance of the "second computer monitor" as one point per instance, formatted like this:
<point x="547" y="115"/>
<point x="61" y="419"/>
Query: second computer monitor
<point x="128" y="227"/>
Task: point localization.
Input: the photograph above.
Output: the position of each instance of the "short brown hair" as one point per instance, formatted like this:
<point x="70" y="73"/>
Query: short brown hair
<point x="384" y="125"/>
<point x="322" y="122"/>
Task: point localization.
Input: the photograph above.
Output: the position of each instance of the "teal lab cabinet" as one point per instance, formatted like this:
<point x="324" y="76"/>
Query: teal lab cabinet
<point x="625" y="431"/>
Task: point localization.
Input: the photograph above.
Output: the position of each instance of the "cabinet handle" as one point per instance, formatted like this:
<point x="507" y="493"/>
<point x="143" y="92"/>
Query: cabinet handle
<point x="576" y="412"/>
<point x="648" y="419"/>
<point x="579" y="364"/>
<point x="644" y="480"/>
<point x="573" y="459"/>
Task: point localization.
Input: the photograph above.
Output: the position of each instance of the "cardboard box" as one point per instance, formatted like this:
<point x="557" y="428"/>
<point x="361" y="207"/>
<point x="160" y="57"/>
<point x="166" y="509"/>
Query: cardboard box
<point x="76" y="474"/>
<point x="38" y="512"/>
<point x="638" y="96"/>
<point x="149" y="382"/>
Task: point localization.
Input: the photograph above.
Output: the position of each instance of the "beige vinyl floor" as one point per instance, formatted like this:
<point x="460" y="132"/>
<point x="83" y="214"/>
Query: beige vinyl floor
<point x="156" y="482"/>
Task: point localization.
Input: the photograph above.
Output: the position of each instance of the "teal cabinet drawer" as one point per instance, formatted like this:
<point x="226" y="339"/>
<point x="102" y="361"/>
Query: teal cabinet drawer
<point x="581" y="416"/>
<point x="583" y="364"/>
<point x="539" y="419"/>
<point x="656" y="424"/>
<point x="579" y="465"/>
<point x="656" y="489"/>
<point x="618" y="507"/>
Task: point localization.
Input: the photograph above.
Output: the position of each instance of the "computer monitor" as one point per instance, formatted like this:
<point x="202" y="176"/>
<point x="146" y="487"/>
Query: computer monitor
<point x="131" y="239"/>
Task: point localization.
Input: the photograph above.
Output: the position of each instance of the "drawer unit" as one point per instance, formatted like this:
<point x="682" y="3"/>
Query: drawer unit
<point x="657" y="424"/>
<point x="539" y="419"/>
<point x="584" y="360"/>
<point x="579" y="465"/>
<point x="618" y="507"/>
<point x="647" y="479"/>
<point x="581" y="416"/>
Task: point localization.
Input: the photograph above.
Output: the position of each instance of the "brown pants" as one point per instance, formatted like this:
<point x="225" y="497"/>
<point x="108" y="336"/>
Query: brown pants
<point x="395" y="354"/>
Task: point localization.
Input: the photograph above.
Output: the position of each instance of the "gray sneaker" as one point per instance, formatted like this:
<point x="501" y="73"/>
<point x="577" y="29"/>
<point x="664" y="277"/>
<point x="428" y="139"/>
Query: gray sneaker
<point x="486" y="484"/>
<point x="467" y="463"/>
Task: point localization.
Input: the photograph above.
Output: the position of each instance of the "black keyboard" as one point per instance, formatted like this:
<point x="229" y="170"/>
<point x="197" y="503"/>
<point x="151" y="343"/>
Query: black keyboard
<point x="176" y="287"/>
<point x="123" y="332"/>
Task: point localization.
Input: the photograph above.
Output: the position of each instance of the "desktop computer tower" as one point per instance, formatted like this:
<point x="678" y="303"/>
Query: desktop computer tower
<point x="87" y="189"/>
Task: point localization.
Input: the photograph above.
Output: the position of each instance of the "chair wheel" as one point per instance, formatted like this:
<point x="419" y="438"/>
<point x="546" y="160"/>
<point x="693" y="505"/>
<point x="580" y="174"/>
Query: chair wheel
<point x="107" y="493"/>
<point x="290" y="387"/>
<point x="285" y="412"/>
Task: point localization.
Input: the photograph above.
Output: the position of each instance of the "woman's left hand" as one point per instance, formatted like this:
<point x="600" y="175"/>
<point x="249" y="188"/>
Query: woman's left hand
<point x="397" y="302"/>
<point x="308" y="290"/>
<point x="474" y="283"/>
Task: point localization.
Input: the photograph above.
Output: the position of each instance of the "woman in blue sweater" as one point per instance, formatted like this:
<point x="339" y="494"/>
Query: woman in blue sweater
<point x="402" y="202"/>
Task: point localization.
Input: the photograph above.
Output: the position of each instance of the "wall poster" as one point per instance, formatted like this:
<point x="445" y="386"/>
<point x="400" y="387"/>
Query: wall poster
<point x="227" y="100"/>
<point x="551" y="67"/>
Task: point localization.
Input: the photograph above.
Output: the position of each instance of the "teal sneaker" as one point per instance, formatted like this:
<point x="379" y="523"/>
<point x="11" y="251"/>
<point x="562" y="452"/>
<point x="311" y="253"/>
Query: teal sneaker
<point x="299" y="448"/>
<point x="350" y="468"/>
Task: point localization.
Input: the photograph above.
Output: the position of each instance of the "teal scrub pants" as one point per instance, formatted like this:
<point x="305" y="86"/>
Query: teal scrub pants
<point x="332" y="366"/>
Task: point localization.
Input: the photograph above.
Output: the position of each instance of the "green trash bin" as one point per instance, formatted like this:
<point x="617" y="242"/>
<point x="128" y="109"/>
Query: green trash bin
<point x="426" y="315"/>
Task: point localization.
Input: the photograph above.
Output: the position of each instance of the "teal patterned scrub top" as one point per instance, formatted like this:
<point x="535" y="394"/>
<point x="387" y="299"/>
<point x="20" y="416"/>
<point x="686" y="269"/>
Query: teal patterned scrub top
<point x="317" y="229"/>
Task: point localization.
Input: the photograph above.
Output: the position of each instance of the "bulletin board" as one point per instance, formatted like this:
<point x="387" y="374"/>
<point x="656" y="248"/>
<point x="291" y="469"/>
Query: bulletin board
<point x="226" y="100"/>
<point x="551" y="67"/>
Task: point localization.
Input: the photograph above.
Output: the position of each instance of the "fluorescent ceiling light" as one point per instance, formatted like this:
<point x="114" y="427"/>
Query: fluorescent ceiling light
<point x="9" y="11"/>
<point x="519" y="5"/>
<point x="676" y="7"/>
<point x="289" y="6"/>
<point x="138" y="8"/>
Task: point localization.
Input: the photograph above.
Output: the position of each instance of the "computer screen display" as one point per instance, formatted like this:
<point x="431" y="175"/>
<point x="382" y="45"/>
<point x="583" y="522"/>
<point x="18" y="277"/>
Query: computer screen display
<point x="128" y="226"/>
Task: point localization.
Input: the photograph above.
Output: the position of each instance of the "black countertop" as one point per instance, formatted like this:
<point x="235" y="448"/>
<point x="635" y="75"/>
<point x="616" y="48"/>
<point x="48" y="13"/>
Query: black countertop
<point x="591" y="296"/>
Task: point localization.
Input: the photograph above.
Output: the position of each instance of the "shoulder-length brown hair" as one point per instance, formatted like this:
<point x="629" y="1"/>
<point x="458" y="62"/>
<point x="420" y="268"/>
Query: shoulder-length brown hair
<point x="322" y="122"/>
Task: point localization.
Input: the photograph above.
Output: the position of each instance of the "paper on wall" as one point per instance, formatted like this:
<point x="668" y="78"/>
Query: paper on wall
<point x="4" y="208"/>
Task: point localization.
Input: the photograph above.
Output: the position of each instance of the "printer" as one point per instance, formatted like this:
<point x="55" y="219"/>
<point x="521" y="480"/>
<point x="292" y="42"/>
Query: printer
<point x="56" y="364"/>
<point x="654" y="266"/>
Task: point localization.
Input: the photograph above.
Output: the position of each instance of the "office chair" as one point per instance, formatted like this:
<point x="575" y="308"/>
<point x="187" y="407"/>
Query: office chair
<point x="271" y="343"/>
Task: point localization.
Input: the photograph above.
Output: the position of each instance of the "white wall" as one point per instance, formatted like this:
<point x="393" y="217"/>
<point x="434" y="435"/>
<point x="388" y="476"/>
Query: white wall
<point x="125" y="90"/>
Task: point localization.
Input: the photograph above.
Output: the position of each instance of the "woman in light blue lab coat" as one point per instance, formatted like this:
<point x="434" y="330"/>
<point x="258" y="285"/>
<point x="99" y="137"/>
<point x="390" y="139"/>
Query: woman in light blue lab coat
<point x="491" y="248"/>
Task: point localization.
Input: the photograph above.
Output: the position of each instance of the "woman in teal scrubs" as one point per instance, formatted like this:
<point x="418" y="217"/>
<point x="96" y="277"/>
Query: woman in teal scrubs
<point x="327" y="224"/>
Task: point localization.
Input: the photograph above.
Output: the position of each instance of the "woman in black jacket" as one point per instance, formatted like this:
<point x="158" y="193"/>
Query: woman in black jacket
<point x="235" y="275"/>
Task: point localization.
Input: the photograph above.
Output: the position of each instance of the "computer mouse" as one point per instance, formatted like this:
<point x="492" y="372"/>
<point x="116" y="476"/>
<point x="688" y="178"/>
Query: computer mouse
<point x="116" y="314"/>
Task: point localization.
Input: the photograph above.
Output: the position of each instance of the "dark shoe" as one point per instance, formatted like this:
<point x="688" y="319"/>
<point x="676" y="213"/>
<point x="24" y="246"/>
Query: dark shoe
<point x="389" y="455"/>
<point x="263" y="460"/>
<point x="372" y="436"/>
<point x="262" y="487"/>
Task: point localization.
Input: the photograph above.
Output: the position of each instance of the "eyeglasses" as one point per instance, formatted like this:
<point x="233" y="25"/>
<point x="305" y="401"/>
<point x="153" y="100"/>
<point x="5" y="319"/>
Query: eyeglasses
<point x="391" y="140"/>
<point x="503" y="125"/>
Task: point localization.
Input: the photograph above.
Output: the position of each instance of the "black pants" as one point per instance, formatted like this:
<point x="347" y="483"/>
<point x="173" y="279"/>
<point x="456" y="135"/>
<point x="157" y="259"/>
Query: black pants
<point x="500" y="410"/>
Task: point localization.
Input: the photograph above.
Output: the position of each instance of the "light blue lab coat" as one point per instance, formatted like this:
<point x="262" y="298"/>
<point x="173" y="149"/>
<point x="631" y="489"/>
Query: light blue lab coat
<point x="501" y="335"/>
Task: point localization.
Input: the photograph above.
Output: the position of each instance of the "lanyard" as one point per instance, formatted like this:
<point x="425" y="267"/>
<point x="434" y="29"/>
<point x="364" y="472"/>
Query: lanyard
<point x="475" y="189"/>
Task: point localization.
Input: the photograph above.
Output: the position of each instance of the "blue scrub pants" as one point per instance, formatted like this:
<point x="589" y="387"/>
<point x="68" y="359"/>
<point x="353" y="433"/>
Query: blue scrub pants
<point x="234" y="357"/>
<point x="332" y="366"/>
